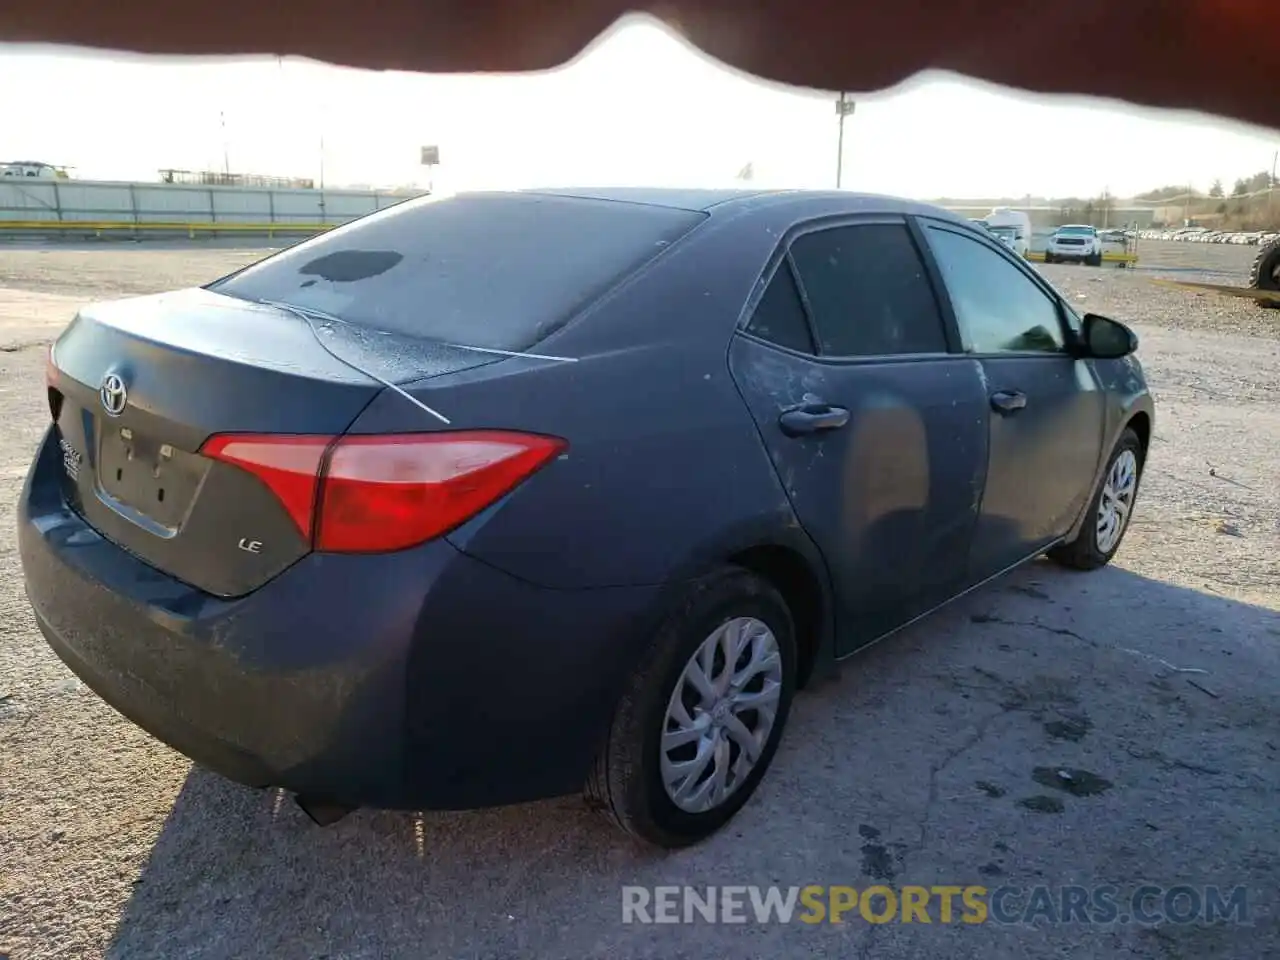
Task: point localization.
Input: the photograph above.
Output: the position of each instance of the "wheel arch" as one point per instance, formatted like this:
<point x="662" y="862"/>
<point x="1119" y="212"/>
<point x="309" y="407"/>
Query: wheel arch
<point x="777" y="549"/>
<point x="1138" y="414"/>
<point x="1140" y="423"/>
<point x="793" y="577"/>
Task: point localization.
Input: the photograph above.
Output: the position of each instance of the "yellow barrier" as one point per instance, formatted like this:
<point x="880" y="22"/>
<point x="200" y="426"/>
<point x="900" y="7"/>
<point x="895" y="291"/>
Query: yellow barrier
<point x="191" y="229"/>
<point x="1124" y="259"/>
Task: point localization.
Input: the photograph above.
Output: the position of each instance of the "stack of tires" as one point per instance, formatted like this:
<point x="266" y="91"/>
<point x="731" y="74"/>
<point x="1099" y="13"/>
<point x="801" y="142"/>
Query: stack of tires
<point x="1265" y="274"/>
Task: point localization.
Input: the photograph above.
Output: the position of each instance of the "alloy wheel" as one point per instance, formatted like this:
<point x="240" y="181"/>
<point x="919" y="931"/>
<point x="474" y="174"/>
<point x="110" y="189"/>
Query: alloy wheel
<point x="1116" y="502"/>
<point x="720" y="714"/>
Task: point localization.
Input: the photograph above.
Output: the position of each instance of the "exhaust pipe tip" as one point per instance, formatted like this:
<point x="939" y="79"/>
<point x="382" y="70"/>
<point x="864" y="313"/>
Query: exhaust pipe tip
<point x="323" y="812"/>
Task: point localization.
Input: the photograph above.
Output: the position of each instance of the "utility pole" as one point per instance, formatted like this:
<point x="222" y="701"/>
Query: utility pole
<point x="1271" y="189"/>
<point x="844" y="108"/>
<point x="226" y="154"/>
<point x="431" y="159"/>
<point x="323" y="212"/>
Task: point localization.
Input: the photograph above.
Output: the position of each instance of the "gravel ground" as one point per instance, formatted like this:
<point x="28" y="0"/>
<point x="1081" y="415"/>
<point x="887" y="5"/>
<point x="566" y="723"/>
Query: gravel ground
<point x="924" y="764"/>
<point x="1217" y="262"/>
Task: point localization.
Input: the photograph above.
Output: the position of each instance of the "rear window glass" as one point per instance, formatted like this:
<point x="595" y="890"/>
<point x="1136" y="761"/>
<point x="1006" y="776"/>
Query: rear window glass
<point x="780" y="316"/>
<point x="497" y="271"/>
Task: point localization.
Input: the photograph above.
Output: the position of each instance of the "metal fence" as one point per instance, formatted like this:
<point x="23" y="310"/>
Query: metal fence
<point x="78" y="207"/>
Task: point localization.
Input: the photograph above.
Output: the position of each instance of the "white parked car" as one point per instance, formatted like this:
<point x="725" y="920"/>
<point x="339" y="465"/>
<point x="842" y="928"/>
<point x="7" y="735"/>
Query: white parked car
<point x="1075" y="243"/>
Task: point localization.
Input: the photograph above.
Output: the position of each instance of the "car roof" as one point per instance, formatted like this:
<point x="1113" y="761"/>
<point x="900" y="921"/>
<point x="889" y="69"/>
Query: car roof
<point x="717" y="201"/>
<point x="1077" y="226"/>
<point x="684" y="198"/>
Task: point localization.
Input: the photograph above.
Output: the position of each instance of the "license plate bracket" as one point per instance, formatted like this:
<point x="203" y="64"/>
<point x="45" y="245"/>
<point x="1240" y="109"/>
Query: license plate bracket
<point x="149" y="476"/>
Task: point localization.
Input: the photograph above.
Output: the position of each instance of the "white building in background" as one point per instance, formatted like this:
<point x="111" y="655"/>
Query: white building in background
<point x="32" y="168"/>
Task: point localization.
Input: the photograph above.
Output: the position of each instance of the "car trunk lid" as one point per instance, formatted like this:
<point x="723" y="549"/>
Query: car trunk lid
<point x="138" y="386"/>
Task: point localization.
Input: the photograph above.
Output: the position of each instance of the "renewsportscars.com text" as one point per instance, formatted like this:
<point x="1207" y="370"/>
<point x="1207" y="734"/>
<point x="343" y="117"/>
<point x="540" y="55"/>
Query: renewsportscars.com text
<point x="815" y="904"/>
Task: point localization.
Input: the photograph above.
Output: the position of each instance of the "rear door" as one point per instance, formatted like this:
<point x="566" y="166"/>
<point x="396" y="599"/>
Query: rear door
<point x="877" y="431"/>
<point x="1047" y="407"/>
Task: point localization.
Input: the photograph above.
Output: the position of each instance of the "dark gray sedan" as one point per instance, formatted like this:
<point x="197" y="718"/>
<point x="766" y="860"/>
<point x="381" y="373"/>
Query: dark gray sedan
<point x="481" y="499"/>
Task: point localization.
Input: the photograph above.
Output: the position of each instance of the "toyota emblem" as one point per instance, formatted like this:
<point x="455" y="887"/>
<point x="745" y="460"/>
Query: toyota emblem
<point x="114" y="395"/>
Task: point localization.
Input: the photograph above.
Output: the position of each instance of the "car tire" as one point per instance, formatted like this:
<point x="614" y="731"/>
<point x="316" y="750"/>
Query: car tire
<point x="1265" y="273"/>
<point x="1095" y="260"/>
<point x="1048" y="257"/>
<point x="629" y="780"/>
<point x="1096" y="543"/>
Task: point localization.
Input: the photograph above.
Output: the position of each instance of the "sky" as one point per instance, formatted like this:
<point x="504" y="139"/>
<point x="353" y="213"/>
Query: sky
<point x="639" y="107"/>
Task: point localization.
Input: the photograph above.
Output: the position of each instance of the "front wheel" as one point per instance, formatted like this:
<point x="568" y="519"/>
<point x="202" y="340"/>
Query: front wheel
<point x="1109" y="511"/>
<point x="701" y="718"/>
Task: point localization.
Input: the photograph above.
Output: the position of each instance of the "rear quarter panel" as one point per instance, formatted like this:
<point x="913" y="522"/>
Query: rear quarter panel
<point x="665" y="469"/>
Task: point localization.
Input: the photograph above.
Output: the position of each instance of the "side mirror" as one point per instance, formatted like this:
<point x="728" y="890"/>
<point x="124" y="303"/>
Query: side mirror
<point x="1107" y="339"/>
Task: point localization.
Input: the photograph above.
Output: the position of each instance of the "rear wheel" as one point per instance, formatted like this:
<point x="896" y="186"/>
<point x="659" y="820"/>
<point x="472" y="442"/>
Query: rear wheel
<point x="1265" y="274"/>
<point x="1109" y="512"/>
<point x="701" y="718"/>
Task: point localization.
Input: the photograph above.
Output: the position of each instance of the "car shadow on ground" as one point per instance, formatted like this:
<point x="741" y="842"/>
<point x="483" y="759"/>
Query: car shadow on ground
<point x="919" y="764"/>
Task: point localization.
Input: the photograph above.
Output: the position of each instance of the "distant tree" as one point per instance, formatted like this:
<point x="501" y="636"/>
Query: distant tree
<point x="1071" y="210"/>
<point x="1164" y="193"/>
<point x="1240" y="189"/>
<point x="1259" y="181"/>
<point x="1216" y="190"/>
<point x="1098" y="211"/>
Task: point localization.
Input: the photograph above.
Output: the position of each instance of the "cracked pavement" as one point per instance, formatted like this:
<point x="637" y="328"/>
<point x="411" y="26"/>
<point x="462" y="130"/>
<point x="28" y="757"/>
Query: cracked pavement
<point x="1053" y="728"/>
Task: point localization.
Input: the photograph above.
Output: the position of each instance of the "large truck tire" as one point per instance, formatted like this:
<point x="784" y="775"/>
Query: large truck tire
<point x="1265" y="274"/>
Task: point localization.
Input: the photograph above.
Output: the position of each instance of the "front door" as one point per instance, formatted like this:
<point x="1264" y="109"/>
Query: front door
<point x="1047" y="408"/>
<point x="878" y="434"/>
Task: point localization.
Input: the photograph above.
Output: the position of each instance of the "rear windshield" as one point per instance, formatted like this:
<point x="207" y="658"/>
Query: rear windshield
<point x="489" y="270"/>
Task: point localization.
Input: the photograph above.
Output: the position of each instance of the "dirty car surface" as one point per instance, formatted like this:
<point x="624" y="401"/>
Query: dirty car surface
<point x="479" y="500"/>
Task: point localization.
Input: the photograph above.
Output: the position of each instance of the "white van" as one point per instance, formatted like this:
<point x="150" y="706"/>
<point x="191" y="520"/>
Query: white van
<point x="1012" y="227"/>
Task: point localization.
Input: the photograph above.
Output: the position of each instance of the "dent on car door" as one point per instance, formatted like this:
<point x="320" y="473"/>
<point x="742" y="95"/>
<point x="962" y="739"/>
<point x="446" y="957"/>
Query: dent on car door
<point x="1047" y="406"/>
<point x="877" y="433"/>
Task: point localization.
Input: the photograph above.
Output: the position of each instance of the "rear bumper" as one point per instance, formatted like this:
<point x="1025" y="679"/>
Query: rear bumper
<point x="423" y="679"/>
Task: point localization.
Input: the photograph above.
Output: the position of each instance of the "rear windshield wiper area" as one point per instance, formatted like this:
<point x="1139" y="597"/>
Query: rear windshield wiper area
<point x="328" y="332"/>
<point x="390" y="358"/>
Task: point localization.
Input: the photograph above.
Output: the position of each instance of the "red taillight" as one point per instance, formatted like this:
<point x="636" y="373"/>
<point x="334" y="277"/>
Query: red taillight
<point x="387" y="493"/>
<point x="51" y="385"/>
<point x="380" y="493"/>
<point x="289" y="466"/>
